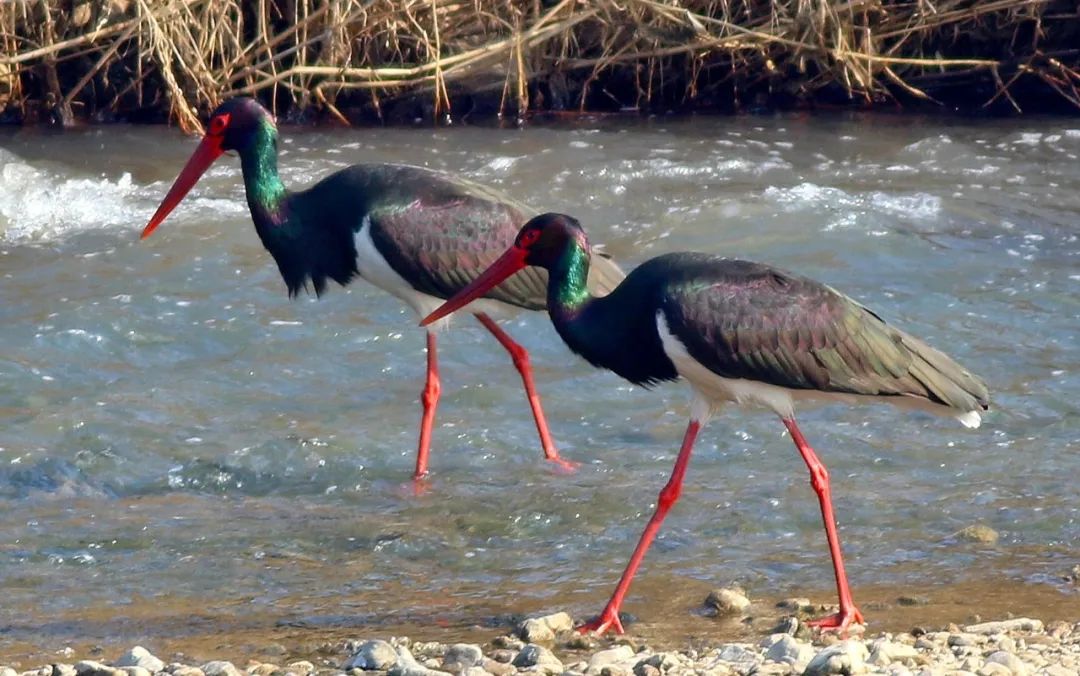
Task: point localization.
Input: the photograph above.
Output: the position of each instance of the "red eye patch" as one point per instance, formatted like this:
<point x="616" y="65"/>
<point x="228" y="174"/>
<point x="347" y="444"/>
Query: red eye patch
<point x="219" y="123"/>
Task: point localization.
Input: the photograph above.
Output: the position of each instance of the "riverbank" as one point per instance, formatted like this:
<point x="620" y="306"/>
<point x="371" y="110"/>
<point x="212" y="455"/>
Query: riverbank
<point x="547" y="645"/>
<point x="665" y="613"/>
<point x="437" y="60"/>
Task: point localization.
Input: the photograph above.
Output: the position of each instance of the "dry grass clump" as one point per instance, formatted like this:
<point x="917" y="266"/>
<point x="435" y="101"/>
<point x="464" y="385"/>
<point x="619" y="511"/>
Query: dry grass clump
<point x="98" y="59"/>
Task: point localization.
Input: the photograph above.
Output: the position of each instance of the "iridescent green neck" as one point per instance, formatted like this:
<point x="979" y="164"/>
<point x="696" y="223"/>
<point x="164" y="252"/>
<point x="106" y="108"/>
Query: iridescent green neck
<point x="258" y="158"/>
<point x="568" y="289"/>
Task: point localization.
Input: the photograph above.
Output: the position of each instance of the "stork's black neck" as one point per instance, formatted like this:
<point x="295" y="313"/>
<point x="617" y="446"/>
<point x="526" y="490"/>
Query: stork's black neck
<point x="616" y="332"/>
<point x="309" y="236"/>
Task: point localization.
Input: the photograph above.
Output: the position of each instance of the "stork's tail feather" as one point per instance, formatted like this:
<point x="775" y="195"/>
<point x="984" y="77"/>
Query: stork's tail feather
<point x="948" y="383"/>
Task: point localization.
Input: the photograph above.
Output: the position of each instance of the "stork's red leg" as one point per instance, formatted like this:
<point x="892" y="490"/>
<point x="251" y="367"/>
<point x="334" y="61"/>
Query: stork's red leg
<point x="819" y="479"/>
<point x="668" y="495"/>
<point x="430" y="399"/>
<point x="521" y="361"/>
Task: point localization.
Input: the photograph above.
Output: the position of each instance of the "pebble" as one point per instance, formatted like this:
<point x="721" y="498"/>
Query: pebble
<point x="1013" y="647"/>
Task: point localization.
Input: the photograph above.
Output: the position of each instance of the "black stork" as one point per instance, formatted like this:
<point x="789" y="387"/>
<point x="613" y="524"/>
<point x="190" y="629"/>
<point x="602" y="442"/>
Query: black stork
<point x="419" y="234"/>
<point x="739" y="332"/>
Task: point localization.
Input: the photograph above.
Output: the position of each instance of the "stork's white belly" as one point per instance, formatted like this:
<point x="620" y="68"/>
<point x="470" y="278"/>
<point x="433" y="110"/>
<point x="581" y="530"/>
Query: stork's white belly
<point x="374" y="268"/>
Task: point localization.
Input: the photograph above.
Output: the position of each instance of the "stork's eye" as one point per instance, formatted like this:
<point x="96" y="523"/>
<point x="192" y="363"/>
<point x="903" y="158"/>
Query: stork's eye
<point x="528" y="238"/>
<point x="219" y="123"/>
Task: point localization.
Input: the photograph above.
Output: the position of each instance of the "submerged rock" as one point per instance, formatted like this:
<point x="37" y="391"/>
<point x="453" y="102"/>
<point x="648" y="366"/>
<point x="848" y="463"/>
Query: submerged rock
<point x="728" y="601"/>
<point x="978" y="533"/>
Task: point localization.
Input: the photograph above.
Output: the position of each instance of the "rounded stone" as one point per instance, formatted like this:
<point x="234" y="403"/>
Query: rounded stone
<point x="728" y="601"/>
<point x="141" y="657"/>
<point x="462" y="656"/>
<point x="372" y="656"/>
<point x="221" y="668"/>
<point x="1013" y="663"/>
<point x="846" y="657"/>
<point x="538" y="656"/>
<point x="979" y="533"/>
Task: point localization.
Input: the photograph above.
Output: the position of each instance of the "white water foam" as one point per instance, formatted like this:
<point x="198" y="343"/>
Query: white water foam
<point x="849" y="207"/>
<point x="40" y="205"/>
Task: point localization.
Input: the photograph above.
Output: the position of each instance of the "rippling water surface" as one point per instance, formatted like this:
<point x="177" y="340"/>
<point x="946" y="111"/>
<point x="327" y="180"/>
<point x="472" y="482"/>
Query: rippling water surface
<point x="174" y="432"/>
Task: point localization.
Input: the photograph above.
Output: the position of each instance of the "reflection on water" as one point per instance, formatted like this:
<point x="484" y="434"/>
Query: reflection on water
<point x="176" y="433"/>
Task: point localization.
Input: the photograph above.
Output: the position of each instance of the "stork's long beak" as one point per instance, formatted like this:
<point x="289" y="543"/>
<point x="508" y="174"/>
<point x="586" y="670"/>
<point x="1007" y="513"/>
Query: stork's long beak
<point x="506" y="265"/>
<point x="209" y="150"/>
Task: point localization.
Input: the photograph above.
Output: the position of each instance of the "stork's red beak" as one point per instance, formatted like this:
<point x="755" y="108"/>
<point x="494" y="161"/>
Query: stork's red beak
<point x="506" y="265"/>
<point x="209" y="150"/>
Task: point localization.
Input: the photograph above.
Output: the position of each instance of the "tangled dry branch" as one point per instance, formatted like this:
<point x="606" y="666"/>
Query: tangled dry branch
<point x="100" y="58"/>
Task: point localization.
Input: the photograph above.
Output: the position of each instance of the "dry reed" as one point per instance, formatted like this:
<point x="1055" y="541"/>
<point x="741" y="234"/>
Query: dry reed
<point x="135" y="59"/>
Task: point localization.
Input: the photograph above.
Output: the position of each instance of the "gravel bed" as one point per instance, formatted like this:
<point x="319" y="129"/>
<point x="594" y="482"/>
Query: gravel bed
<point x="548" y="646"/>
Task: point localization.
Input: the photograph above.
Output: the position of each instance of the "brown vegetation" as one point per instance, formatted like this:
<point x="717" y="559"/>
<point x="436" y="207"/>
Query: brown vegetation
<point x="400" y="59"/>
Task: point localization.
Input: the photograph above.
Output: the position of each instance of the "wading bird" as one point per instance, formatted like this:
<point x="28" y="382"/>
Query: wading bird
<point x="739" y="332"/>
<point x="419" y="234"/>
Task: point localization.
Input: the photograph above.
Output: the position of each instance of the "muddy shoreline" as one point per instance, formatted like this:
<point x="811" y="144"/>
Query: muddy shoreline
<point x="667" y="613"/>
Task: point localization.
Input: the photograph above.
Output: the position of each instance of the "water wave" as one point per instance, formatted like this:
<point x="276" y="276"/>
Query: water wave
<point x="38" y="205"/>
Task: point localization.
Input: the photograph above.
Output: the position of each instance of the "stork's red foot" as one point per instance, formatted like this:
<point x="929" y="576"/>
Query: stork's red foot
<point x="421" y="485"/>
<point x="609" y="619"/>
<point x="564" y="466"/>
<point x="840" y="622"/>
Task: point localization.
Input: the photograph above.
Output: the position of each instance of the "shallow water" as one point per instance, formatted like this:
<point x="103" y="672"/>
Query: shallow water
<point x="178" y="436"/>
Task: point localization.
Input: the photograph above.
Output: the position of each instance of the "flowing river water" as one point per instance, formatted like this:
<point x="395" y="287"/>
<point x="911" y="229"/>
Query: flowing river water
<point x="190" y="460"/>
